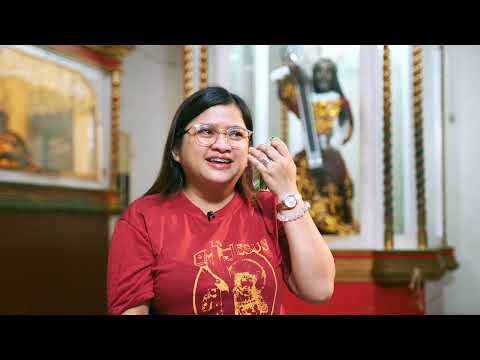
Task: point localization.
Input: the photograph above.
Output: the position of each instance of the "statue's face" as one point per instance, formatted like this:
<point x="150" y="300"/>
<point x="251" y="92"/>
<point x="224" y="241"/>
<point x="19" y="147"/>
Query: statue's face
<point x="323" y="77"/>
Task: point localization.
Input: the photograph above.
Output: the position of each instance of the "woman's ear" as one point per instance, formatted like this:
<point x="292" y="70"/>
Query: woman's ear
<point x="175" y="153"/>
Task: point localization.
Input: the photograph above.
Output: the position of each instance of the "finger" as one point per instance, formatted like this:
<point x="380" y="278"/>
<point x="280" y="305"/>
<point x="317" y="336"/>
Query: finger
<point x="280" y="146"/>
<point x="270" y="151"/>
<point x="255" y="162"/>
<point x="259" y="155"/>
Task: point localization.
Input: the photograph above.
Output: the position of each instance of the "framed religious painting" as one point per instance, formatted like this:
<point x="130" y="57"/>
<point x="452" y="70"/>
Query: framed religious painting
<point x="59" y="114"/>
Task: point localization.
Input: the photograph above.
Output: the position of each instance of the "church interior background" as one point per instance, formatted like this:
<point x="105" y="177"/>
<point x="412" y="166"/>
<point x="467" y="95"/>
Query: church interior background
<point x="383" y="136"/>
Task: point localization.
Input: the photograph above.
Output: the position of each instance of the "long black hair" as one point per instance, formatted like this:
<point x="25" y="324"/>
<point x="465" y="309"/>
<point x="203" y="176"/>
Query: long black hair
<point x="171" y="178"/>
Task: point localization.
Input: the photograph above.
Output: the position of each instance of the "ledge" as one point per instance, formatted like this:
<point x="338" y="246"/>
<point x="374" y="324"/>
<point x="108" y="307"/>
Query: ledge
<point x="22" y="197"/>
<point x="393" y="268"/>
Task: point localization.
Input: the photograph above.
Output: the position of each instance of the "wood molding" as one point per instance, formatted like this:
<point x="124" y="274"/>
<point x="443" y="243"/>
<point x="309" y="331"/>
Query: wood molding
<point x="393" y="267"/>
<point x="23" y="197"/>
<point x="92" y="55"/>
<point x="112" y="51"/>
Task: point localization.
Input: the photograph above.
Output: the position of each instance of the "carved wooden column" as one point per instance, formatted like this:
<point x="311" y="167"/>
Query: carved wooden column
<point x="418" y="127"/>
<point x="187" y="70"/>
<point x="203" y="66"/>
<point x="387" y="151"/>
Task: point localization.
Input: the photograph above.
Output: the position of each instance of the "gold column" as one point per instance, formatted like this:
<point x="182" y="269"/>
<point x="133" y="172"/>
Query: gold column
<point x="187" y="70"/>
<point x="284" y="124"/>
<point x="420" y="173"/>
<point x="114" y="128"/>
<point x="203" y="66"/>
<point x="442" y="109"/>
<point x="387" y="152"/>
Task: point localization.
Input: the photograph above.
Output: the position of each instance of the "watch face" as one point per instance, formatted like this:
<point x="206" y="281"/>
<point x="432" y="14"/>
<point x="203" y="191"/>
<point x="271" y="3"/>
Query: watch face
<point x="290" y="201"/>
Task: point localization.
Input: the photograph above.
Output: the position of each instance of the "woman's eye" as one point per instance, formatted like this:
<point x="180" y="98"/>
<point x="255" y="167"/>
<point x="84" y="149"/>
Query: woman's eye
<point x="205" y="132"/>
<point x="236" y="134"/>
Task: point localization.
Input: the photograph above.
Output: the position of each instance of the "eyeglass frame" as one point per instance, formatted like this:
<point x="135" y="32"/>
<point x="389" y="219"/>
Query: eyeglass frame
<point x="217" y="131"/>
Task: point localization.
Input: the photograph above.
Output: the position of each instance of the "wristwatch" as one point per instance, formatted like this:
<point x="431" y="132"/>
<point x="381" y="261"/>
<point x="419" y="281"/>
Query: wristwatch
<point x="289" y="202"/>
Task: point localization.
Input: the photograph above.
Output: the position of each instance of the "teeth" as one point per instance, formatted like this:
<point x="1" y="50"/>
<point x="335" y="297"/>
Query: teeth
<point x="220" y="160"/>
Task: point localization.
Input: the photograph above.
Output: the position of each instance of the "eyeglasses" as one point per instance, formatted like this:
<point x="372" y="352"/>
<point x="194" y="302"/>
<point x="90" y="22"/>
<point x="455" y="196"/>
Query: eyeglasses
<point x="207" y="135"/>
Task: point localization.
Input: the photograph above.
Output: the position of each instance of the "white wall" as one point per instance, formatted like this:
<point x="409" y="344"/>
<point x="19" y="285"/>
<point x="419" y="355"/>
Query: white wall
<point x="459" y="292"/>
<point x="151" y="91"/>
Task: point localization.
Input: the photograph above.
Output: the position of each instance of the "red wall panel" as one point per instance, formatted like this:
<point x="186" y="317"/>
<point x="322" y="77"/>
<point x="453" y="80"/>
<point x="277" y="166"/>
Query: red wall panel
<point x="360" y="298"/>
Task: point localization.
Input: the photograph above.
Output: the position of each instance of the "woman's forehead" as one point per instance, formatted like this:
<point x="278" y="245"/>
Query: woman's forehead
<point x="220" y="115"/>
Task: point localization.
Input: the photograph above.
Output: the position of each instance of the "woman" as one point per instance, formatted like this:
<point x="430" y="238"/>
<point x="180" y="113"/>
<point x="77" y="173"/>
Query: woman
<point x="201" y="240"/>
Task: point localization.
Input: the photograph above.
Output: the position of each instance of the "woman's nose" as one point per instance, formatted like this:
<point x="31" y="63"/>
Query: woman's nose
<point x="221" y="142"/>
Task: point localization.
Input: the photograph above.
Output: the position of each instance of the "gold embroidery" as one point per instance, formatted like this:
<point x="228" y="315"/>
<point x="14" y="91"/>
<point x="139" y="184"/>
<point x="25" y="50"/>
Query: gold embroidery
<point x="325" y="113"/>
<point x="328" y="207"/>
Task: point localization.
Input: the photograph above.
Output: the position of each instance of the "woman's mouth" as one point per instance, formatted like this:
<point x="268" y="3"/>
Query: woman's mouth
<point x="219" y="163"/>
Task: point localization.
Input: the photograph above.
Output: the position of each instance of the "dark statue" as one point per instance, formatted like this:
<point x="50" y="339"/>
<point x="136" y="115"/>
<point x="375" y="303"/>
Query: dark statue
<point x="322" y="175"/>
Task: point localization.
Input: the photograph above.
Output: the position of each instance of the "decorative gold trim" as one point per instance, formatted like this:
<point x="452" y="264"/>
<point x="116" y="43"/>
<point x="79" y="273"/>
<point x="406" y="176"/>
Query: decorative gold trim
<point x="387" y="152"/>
<point x="203" y="66"/>
<point x="115" y="128"/>
<point x="420" y="173"/>
<point x="187" y="70"/>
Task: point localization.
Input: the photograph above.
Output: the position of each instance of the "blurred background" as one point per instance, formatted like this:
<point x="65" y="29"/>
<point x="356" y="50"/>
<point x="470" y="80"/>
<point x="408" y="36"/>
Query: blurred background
<point x="383" y="137"/>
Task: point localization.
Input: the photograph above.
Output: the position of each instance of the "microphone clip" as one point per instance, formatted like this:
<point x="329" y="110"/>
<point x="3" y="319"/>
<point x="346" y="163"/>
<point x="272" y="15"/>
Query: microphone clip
<point x="210" y="215"/>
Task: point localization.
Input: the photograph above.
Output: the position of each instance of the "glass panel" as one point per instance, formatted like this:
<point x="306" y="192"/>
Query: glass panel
<point x="325" y="97"/>
<point x="233" y="67"/>
<point x="332" y="114"/>
<point x="401" y="119"/>
<point x="403" y="149"/>
<point x="48" y="117"/>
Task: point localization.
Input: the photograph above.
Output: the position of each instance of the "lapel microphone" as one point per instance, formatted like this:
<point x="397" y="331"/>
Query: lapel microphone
<point x="210" y="215"/>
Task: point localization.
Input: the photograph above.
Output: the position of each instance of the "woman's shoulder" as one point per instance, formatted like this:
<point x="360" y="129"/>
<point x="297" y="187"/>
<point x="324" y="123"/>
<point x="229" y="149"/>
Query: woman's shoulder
<point x="147" y="205"/>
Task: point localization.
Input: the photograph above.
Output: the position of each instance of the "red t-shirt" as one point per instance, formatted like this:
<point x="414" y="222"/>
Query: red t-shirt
<point x="167" y="250"/>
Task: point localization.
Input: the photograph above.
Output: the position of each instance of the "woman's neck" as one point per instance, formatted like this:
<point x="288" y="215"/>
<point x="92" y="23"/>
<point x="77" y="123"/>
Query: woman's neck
<point x="209" y="200"/>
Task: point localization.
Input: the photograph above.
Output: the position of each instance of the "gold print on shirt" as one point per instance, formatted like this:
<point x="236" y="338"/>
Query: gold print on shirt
<point x="233" y="280"/>
<point x="247" y="291"/>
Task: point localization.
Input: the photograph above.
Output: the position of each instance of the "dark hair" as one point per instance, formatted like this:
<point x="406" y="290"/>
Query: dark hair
<point x="171" y="178"/>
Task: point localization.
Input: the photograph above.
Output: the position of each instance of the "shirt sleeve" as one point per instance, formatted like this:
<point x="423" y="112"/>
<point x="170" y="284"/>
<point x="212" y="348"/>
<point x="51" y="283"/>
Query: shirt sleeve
<point x="129" y="273"/>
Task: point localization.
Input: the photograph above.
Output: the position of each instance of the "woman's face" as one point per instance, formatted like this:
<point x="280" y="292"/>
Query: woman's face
<point x="218" y="164"/>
